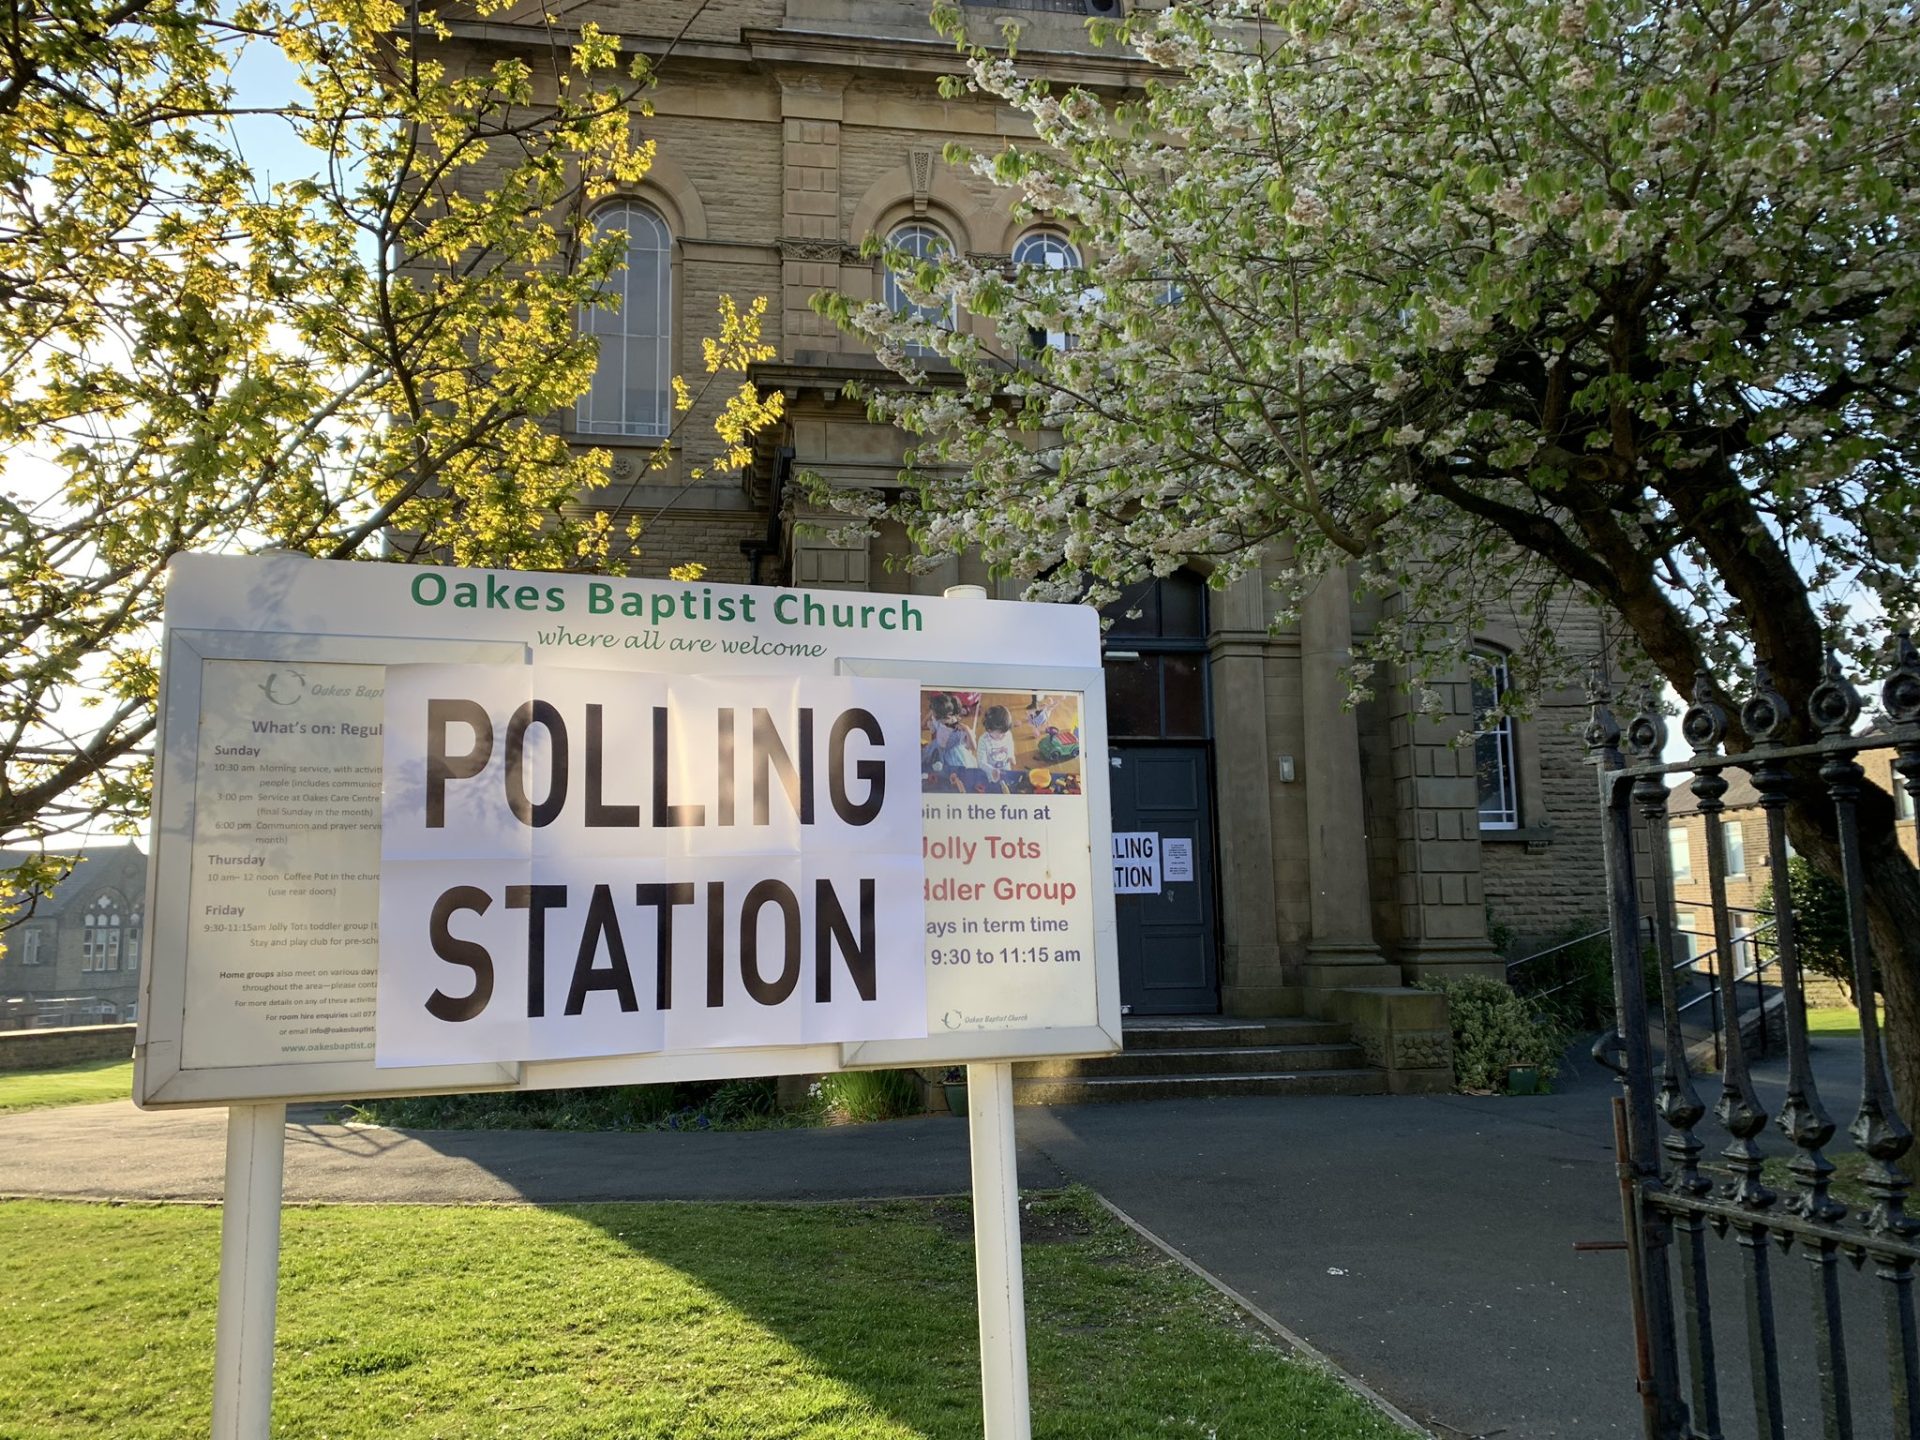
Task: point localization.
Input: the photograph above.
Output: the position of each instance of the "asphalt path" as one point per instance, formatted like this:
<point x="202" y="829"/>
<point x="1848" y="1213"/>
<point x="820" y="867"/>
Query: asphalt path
<point x="1436" y="1247"/>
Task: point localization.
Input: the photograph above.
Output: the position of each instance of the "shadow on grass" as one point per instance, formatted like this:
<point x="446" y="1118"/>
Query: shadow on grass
<point x="880" y="1296"/>
<point x="634" y="1322"/>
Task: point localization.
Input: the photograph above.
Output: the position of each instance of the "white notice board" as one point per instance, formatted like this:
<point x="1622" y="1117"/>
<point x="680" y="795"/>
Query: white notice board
<point x="795" y="831"/>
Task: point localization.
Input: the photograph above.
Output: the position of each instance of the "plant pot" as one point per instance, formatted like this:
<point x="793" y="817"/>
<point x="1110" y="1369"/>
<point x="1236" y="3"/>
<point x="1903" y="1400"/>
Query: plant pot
<point x="1523" y="1080"/>
<point x="956" y="1091"/>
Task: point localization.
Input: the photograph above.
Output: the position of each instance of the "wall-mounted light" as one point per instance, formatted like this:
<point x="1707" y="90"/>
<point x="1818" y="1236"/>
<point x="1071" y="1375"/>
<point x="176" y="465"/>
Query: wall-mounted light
<point x="1285" y="762"/>
<point x="1123" y="655"/>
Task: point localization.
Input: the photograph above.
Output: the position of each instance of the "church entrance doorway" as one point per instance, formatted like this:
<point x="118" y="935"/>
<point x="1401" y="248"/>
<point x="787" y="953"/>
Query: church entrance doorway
<point x="1159" y="734"/>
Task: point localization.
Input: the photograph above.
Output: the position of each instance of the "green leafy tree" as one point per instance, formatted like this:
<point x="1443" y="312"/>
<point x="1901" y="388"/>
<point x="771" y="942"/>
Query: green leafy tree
<point x="1822" y="938"/>
<point x="1487" y="301"/>
<point x="358" y="361"/>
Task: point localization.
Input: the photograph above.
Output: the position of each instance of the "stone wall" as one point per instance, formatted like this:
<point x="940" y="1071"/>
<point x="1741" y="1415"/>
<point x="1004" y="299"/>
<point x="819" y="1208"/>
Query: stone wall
<point x="48" y="1049"/>
<point x="1548" y="878"/>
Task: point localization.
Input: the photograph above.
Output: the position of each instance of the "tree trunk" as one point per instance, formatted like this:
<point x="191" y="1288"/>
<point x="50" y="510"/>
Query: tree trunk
<point x="1892" y="888"/>
<point x="1893" y="917"/>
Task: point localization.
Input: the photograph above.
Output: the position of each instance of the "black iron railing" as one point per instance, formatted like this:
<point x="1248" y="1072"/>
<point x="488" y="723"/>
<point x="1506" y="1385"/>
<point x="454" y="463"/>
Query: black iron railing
<point x="1675" y="1214"/>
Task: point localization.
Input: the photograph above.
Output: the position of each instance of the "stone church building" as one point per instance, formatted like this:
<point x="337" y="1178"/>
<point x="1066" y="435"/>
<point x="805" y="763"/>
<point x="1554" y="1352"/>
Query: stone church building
<point x="1340" y="854"/>
<point x="74" y="959"/>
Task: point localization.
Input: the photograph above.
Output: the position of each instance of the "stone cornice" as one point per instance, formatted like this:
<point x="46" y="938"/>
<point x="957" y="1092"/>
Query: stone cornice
<point x="819" y="48"/>
<point x="932" y="56"/>
<point x="500" y="32"/>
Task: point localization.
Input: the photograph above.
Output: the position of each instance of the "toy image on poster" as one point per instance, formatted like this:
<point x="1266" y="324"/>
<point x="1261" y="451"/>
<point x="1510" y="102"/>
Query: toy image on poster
<point x="999" y="743"/>
<point x="1009" y="876"/>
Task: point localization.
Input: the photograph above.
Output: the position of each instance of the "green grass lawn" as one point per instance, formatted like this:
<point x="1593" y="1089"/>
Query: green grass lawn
<point x="635" y="1322"/>
<point x="1849" y="1165"/>
<point x="69" y="1085"/>
<point x="1842" y="1020"/>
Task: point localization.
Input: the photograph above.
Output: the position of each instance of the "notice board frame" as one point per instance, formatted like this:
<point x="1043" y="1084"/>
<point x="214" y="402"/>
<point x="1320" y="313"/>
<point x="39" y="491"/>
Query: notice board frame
<point x="161" y="1080"/>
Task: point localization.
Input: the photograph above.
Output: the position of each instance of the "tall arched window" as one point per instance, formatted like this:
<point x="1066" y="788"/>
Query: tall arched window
<point x="1493" y="753"/>
<point x="632" y="390"/>
<point x="1048" y="250"/>
<point x="101" y="940"/>
<point x="917" y="242"/>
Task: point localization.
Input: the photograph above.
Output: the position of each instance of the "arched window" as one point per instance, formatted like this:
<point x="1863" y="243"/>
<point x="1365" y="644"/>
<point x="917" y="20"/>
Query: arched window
<point x="1046" y="250"/>
<point x="917" y="242"/>
<point x="104" y="934"/>
<point x="1493" y="753"/>
<point x="632" y="390"/>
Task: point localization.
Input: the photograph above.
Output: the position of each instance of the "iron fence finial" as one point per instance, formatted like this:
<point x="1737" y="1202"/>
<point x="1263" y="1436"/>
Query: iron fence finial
<point x="1900" y="696"/>
<point x="1766" y="715"/>
<point x="1647" y="731"/>
<point x="1603" y="731"/>
<point x="1834" y="704"/>
<point x="1705" y="723"/>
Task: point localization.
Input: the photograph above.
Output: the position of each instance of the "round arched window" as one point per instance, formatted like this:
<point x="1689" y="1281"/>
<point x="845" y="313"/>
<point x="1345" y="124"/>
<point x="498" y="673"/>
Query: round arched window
<point x="1046" y="250"/>
<point x="632" y="392"/>
<point x="914" y="243"/>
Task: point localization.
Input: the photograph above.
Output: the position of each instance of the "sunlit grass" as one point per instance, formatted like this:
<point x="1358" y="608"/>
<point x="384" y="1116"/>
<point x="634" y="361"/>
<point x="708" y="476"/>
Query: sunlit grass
<point x="670" y="1322"/>
<point x="1839" y="1020"/>
<point x="81" y="1084"/>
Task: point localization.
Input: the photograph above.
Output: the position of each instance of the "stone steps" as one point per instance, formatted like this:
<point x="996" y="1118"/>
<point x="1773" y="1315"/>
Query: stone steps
<point x="1173" y="1057"/>
<point x="1085" y="1090"/>
<point x="1215" y="1034"/>
<point x="1220" y="1060"/>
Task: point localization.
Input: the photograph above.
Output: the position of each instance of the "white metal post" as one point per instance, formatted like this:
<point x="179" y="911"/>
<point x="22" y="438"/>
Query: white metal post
<point x="996" y="1247"/>
<point x="249" y="1272"/>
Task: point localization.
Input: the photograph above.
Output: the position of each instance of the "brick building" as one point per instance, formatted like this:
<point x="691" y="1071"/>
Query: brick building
<point x="1336" y="850"/>
<point x="75" y="960"/>
<point x="1750" y="876"/>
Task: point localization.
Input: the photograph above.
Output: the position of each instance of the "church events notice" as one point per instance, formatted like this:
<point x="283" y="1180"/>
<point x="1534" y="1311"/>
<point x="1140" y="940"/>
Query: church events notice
<point x="285" y="871"/>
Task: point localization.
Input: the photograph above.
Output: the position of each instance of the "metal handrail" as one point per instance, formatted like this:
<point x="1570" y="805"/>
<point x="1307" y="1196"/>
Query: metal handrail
<point x="1514" y="966"/>
<point x="1765" y="956"/>
<point x="1758" y="937"/>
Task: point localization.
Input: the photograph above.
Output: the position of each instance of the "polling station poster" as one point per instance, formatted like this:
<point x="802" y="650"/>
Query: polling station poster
<point x="594" y="817"/>
<point x="592" y="862"/>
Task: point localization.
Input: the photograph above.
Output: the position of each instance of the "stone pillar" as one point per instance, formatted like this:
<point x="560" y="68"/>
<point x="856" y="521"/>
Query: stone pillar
<point x="812" y="238"/>
<point x="1342" y="950"/>
<point x="1252" y="981"/>
<point x="1443" y="913"/>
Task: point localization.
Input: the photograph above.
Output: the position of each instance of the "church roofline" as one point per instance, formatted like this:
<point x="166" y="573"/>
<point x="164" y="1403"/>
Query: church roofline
<point x="824" y="48"/>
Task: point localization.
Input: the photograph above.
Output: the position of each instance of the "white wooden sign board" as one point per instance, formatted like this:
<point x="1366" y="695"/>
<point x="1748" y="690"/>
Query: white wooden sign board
<point x="423" y="830"/>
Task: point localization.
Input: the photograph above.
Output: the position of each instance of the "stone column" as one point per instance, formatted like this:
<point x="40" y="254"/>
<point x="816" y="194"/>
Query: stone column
<point x="811" y="234"/>
<point x="1252" y="981"/>
<point x="1341" y="950"/>
<point x="1443" y="914"/>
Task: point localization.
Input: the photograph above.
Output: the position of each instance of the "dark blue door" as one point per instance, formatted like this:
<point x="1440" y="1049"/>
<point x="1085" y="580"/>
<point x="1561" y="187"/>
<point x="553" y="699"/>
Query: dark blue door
<point x="1169" y="962"/>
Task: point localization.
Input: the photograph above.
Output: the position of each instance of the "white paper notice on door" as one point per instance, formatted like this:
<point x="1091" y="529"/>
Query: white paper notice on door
<point x="1176" y="860"/>
<point x="1136" y="863"/>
